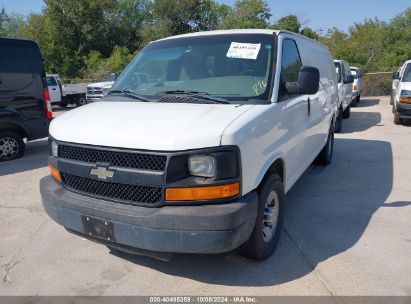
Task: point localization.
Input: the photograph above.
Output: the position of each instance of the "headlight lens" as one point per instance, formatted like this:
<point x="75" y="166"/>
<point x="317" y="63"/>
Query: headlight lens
<point x="54" y="149"/>
<point x="406" y="93"/>
<point x="106" y="91"/>
<point x="201" y="165"/>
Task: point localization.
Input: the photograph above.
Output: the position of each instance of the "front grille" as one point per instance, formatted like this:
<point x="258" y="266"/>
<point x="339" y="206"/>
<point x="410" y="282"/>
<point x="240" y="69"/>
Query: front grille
<point x="120" y="159"/>
<point x="126" y="193"/>
<point x="94" y="90"/>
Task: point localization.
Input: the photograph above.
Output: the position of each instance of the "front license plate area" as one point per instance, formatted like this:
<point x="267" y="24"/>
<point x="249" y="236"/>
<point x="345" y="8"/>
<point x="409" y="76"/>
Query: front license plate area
<point x="98" y="228"/>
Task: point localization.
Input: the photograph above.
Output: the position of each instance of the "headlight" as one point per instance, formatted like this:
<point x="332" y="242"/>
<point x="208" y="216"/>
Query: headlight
<point x="201" y="165"/>
<point x="406" y="93"/>
<point x="106" y="91"/>
<point x="354" y="87"/>
<point x="54" y="149"/>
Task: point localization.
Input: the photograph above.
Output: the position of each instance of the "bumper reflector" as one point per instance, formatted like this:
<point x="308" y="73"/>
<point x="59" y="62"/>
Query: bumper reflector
<point x="405" y="99"/>
<point x="55" y="173"/>
<point x="203" y="193"/>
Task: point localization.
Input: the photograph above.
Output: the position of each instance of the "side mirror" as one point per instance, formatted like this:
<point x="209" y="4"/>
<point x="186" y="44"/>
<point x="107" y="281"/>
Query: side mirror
<point x="349" y="79"/>
<point x="396" y="75"/>
<point x="308" y="82"/>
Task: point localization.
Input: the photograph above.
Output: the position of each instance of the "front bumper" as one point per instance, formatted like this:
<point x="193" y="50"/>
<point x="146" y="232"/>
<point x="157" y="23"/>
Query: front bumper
<point x="213" y="228"/>
<point x="403" y="110"/>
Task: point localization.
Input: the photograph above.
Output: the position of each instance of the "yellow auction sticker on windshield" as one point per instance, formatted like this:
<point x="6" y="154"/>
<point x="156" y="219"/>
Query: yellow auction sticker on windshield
<point x="244" y="50"/>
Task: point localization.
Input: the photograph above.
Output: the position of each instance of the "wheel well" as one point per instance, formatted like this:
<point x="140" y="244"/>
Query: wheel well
<point x="11" y="127"/>
<point x="276" y="167"/>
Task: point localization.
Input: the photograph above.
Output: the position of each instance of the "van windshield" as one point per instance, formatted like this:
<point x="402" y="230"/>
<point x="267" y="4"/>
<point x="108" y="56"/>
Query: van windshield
<point x="407" y="74"/>
<point x="236" y="68"/>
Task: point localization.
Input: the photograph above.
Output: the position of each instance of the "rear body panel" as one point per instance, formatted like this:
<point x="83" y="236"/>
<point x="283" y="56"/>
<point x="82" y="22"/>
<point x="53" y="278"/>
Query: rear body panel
<point x="21" y="88"/>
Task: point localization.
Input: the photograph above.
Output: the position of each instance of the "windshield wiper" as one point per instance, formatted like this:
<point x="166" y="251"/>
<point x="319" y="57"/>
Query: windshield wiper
<point x="131" y="94"/>
<point x="197" y="94"/>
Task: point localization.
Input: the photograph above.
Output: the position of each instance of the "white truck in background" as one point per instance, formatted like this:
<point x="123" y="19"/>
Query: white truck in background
<point x="65" y="94"/>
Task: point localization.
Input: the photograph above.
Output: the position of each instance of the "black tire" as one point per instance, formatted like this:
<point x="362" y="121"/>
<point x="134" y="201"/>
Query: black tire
<point x="353" y="102"/>
<point x="338" y="122"/>
<point x="261" y="244"/>
<point x="81" y="101"/>
<point x="397" y="119"/>
<point x="326" y="154"/>
<point x="358" y="99"/>
<point x="11" y="146"/>
<point x="347" y="112"/>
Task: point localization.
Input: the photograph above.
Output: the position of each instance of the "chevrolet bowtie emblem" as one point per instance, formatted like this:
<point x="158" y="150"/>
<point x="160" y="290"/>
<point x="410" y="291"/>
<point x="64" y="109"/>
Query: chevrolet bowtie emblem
<point x="102" y="173"/>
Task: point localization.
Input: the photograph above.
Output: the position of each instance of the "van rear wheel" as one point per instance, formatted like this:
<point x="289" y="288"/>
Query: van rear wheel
<point x="326" y="154"/>
<point x="11" y="146"/>
<point x="81" y="101"/>
<point x="268" y="225"/>
<point x="347" y="112"/>
<point x="338" y="122"/>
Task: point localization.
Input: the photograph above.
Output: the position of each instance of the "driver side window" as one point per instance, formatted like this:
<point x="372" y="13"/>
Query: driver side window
<point x="290" y="66"/>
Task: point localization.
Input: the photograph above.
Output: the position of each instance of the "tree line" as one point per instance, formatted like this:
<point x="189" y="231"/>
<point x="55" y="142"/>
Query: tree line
<point x="92" y="38"/>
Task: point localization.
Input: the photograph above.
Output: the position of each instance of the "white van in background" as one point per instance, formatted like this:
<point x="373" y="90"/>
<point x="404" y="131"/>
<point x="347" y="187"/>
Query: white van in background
<point x="345" y="80"/>
<point x="358" y="85"/>
<point x="395" y="80"/>
<point x="198" y="158"/>
<point x="402" y="94"/>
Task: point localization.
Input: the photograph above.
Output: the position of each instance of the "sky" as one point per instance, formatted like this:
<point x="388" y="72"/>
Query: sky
<point x="317" y="14"/>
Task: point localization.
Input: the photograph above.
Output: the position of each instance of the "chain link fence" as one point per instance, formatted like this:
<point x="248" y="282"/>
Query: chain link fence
<point x="377" y="84"/>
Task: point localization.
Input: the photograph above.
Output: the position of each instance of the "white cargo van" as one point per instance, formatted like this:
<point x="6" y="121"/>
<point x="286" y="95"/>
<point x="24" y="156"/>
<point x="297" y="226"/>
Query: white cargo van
<point x="199" y="158"/>
<point x="358" y="84"/>
<point x="402" y="93"/>
<point x="345" y="80"/>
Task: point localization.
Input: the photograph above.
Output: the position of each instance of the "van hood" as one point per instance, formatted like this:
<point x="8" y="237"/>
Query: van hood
<point x="146" y="125"/>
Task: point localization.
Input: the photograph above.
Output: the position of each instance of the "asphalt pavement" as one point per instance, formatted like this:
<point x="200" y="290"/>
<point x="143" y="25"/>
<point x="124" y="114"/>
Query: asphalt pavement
<point x="347" y="231"/>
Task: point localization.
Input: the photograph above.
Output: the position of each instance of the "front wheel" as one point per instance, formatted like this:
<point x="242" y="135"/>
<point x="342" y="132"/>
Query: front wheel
<point x="11" y="146"/>
<point x="397" y="119"/>
<point x="268" y="225"/>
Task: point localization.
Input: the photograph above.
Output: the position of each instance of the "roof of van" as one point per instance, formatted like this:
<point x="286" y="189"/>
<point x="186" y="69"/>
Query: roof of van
<point x="239" y="31"/>
<point x="19" y="41"/>
<point x="16" y="39"/>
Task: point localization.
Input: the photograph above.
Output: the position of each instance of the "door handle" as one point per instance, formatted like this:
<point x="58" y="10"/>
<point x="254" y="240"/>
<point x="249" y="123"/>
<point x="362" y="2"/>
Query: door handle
<point x="309" y="106"/>
<point x="54" y="89"/>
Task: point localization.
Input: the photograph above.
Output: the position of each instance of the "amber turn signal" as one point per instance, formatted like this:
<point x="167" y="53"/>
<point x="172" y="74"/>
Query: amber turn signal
<point x="55" y="173"/>
<point x="405" y="99"/>
<point x="203" y="193"/>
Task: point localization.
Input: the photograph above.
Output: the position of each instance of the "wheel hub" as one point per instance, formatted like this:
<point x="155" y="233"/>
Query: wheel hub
<point x="8" y="148"/>
<point x="270" y="218"/>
